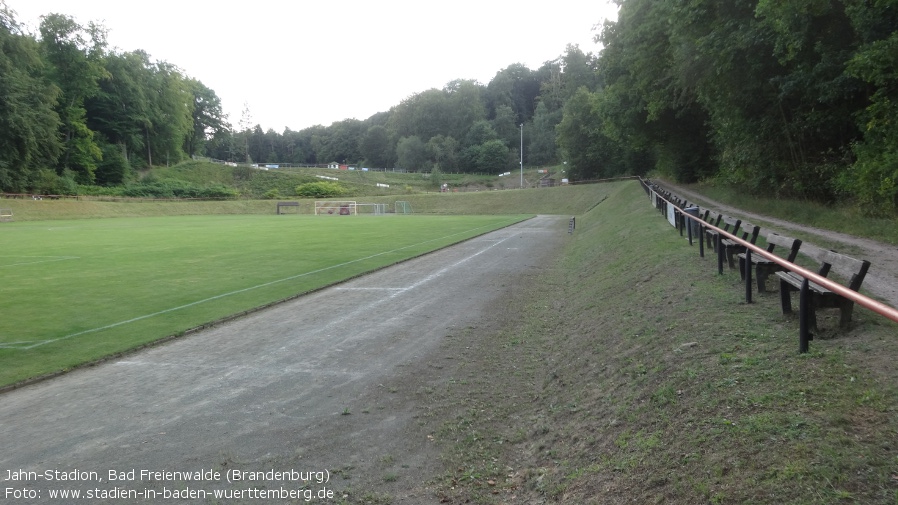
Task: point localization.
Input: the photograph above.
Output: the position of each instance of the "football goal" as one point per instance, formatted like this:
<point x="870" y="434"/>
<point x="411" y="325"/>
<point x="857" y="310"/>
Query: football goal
<point x="335" y="208"/>
<point x="371" y="209"/>
<point x="403" y="207"/>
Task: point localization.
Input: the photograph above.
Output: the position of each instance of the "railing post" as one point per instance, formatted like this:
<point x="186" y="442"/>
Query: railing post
<point x="689" y="228"/>
<point x="747" y="275"/>
<point x="701" y="240"/>
<point x="719" y="246"/>
<point x="803" y="330"/>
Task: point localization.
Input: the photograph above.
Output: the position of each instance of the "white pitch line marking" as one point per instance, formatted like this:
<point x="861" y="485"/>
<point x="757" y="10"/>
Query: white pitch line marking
<point x="22" y="344"/>
<point x="52" y="259"/>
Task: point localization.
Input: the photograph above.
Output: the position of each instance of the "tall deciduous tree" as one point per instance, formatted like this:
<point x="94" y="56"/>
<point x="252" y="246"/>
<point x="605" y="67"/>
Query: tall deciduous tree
<point x="207" y="115"/>
<point x="445" y="153"/>
<point x="28" y="122"/>
<point x="515" y="86"/>
<point x="74" y="54"/>
<point x="377" y="148"/>
<point x="541" y="147"/>
<point x="411" y="153"/>
<point x="171" y="114"/>
<point x="873" y="180"/>
<point x="121" y="109"/>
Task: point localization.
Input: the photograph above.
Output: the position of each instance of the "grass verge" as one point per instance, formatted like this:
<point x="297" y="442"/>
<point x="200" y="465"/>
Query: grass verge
<point x="842" y="219"/>
<point x="637" y="374"/>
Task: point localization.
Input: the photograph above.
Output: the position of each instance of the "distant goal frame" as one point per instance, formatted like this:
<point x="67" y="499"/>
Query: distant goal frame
<point x="336" y="208"/>
<point x="402" y="207"/>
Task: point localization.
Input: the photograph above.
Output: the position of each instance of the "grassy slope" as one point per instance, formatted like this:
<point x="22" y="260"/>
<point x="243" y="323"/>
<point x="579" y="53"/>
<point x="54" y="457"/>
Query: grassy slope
<point x="558" y="200"/>
<point x="358" y="182"/>
<point x="638" y="375"/>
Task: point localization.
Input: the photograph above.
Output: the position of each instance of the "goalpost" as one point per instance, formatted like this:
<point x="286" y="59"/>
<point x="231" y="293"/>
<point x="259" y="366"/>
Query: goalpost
<point x="336" y="208"/>
<point x="403" y="207"/>
<point x="371" y="209"/>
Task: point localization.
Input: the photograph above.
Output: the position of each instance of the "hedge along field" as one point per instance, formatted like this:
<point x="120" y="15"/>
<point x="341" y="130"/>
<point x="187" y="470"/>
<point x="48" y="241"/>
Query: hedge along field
<point x="75" y="291"/>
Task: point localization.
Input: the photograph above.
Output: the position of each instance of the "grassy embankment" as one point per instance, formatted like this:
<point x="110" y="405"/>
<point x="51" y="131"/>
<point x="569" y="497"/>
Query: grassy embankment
<point x="638" y="375"/>
<point x="559" y="200"/>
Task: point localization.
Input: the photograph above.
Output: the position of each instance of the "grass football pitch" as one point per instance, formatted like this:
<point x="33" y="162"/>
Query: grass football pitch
<point x="76" y="291"/>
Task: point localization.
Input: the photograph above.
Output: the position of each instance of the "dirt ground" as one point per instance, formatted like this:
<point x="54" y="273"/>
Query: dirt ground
<point x="318" y="397"/>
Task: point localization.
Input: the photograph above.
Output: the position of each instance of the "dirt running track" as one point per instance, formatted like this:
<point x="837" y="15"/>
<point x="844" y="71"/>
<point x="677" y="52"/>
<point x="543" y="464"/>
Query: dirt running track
<point x="302" y="387"/>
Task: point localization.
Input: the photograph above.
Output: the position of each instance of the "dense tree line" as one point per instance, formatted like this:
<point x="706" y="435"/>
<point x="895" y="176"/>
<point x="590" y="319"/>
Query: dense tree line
<point x="780" y="97"/>
<point x="464" y="127"/>
<point x="73" y="112"/>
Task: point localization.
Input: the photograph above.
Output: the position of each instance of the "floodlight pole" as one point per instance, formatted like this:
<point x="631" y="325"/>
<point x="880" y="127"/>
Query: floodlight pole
<point x="522" y="155"/>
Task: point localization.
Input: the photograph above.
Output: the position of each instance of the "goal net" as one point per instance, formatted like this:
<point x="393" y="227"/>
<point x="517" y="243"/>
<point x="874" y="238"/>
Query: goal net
<point x="371" y="209"/>
<point x="335" y="208"/>
<point x="403" y="207"/>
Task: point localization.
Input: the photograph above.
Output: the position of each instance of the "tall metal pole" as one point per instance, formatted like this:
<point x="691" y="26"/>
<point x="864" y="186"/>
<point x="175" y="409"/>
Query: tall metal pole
<point x="522" y="155"/>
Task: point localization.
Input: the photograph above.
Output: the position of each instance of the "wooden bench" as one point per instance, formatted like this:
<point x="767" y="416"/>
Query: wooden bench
<point x="286" y="204"/>
<point x="763" y="267"/>
<point x="714" y="219"/>
<point x="729" y="224"/>
<point x="853" y="270"/>
<point x="5" y="215"/>
<point x="732" y="248"/>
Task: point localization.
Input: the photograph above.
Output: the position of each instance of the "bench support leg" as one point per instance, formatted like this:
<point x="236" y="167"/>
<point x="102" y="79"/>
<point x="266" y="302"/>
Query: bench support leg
<point x="719" y="248"/>
<point x="761" y="274"/>
<point x="804" y="333"/>
<point x="846" y="307"/>
<point x="786" y="297"/>
<point x="747" y="275"/>
<point x="701" y="241"/>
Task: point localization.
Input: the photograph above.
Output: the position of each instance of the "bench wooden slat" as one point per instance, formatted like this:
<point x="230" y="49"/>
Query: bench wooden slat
<point x="713" y="218"/>
<point x="731" y="248"/>
<point x="764" y="267"/>
<point x="729" y="224"/>
<point x="851" y="269"/>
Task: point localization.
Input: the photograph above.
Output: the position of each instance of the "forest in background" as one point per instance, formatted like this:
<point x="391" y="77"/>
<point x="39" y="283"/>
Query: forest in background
<point x="790" y="98"/>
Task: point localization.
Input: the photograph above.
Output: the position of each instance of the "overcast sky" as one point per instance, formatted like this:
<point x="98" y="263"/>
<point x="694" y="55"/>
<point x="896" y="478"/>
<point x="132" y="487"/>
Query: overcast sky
<point x="301" y="63"/>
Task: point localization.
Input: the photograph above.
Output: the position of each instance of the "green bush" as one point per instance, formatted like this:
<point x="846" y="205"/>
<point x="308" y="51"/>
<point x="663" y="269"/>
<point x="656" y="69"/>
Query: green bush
<point x="49" y="183"/>
<point x="170" y="188"/>
<point x="321" y="189"/>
